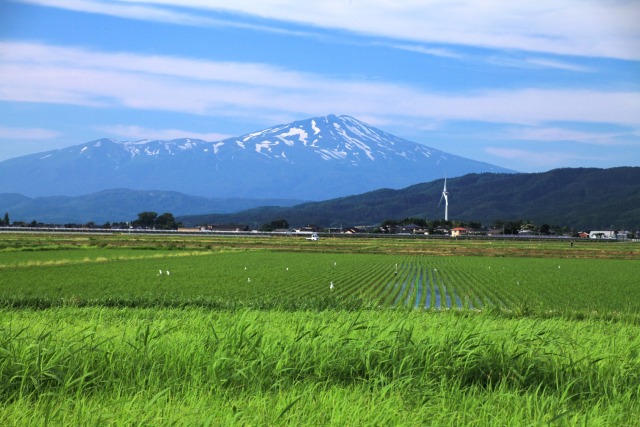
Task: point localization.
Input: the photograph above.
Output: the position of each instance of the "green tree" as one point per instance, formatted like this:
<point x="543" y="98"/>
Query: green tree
<point x="275" y="225"/>
<point x="166" y="221"/>
<point x="6" y="219"/>
<point x="417" y="221"/>
<point x="145" y="220"/>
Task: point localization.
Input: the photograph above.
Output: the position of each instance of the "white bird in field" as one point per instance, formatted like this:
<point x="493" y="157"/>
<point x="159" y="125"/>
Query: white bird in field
<point x="159" y="272"/>
<point x="248" y="280"/>
<point x="331" y="286"/>
<point x="168" y="273"/>
<point x="287" y="268"/>
<point x="245" y="268"/>
<point x="334" y="263"/>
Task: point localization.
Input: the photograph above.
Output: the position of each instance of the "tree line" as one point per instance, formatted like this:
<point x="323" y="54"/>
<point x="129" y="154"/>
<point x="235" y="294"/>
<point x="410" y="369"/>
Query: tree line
<point x="145" y="220"/>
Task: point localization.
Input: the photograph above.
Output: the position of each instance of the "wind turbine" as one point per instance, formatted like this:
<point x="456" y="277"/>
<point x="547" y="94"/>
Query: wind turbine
<point x="445" y="196"/>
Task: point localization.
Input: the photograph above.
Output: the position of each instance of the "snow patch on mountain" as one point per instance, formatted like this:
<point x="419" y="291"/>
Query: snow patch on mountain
<point x="302" y="136"/>
<point x="266" y="145"/>
<point x="314" y="127"/>
<point x="216" y="147"/>
<point x="331" y="154"/>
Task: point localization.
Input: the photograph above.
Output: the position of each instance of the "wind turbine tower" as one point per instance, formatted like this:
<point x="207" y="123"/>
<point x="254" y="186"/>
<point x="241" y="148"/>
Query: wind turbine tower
<point x="445" y="196"/>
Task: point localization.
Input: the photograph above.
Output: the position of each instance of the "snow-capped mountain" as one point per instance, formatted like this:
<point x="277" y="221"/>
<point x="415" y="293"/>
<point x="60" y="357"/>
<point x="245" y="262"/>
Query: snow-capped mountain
<point x="314" y="159"/>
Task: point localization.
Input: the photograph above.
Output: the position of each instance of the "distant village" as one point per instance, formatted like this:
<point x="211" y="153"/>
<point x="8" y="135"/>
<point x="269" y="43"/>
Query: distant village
<point x="417" y="230"/>
<point x="152" y="222"/>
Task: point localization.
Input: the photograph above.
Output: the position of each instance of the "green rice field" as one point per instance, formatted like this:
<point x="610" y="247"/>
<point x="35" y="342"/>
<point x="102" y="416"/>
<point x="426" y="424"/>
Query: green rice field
<point x="215" y="330"/>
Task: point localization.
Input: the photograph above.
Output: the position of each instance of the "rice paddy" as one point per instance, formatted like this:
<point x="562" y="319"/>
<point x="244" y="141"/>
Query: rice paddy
<point x="151" y="330"/>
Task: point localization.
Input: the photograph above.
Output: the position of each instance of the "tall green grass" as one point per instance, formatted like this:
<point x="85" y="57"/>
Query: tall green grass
<point x="195" y="367"/>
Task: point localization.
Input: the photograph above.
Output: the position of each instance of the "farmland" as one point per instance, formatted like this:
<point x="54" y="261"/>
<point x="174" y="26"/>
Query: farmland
<point x="189" y="330"/>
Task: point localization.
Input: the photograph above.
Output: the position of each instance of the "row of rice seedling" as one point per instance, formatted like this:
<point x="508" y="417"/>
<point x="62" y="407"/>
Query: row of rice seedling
<point x="96" y="275"/>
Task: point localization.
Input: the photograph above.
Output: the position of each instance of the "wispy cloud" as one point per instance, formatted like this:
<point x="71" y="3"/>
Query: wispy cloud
<point x="139" y="11"/>
<point x="539" y="159"/>
<point x="164" y="13"/>
<point x="133" y="132"/>
<point x="12" y="133"/>
<point x="538" y="63"/>
<point x="426" y="50"/>
<point x="565" y="27"/>
<point x="556" y="64"/>
<point x="31" y="72"/>
<point x="556" y="134"/>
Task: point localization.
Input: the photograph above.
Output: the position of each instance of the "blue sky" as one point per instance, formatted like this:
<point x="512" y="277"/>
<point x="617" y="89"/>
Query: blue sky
<point x="530" y="86"/>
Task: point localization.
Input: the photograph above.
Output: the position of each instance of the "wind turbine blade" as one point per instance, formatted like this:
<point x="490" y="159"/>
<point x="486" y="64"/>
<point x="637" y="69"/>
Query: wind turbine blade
<point x="441" y="197"/>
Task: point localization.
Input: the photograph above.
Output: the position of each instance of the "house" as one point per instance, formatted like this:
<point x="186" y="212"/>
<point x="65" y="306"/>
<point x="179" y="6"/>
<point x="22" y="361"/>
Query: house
<point x="413" y="229"/>
<point x="311" y="228"/>
<point x="390" y="229"/>
<point x="623" y="235"/>
<point x="226" y="228"/>
<point x="607" y="234"/>
<point x="459" y="231"/>
<point x="495" y="231"/>
<point x="443" y="229"/>
<point x="189" y="230"/>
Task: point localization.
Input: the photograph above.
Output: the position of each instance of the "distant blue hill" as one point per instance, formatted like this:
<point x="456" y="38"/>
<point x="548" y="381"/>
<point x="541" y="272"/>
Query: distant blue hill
<point x="119" y="205"/>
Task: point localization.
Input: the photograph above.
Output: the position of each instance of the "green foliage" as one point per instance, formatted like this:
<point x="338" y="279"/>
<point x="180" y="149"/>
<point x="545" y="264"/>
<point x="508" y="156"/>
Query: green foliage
<point x="278" y="224"/>
<point x="166" y="221"/>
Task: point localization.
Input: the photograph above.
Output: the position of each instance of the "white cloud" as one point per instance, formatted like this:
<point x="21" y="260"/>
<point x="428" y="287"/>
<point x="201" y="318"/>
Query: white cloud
<point x="554" y="134"/>
<point x="433" y="51"/>
<point x="560" y="65"/>
<point x="31" y="72"/>
<point x="132" y="11"/>
<point x="27" y="133"/>
<point x="595" y="28"/>
<point x="520" y="159"/>
<point x="137" y="133"/>
<point x="538" y="63"/>
<point x="144" y="11"/>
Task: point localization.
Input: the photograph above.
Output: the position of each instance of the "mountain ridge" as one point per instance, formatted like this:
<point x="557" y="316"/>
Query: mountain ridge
<point x="588" y="198"/>
<point x="313" y="159"/>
